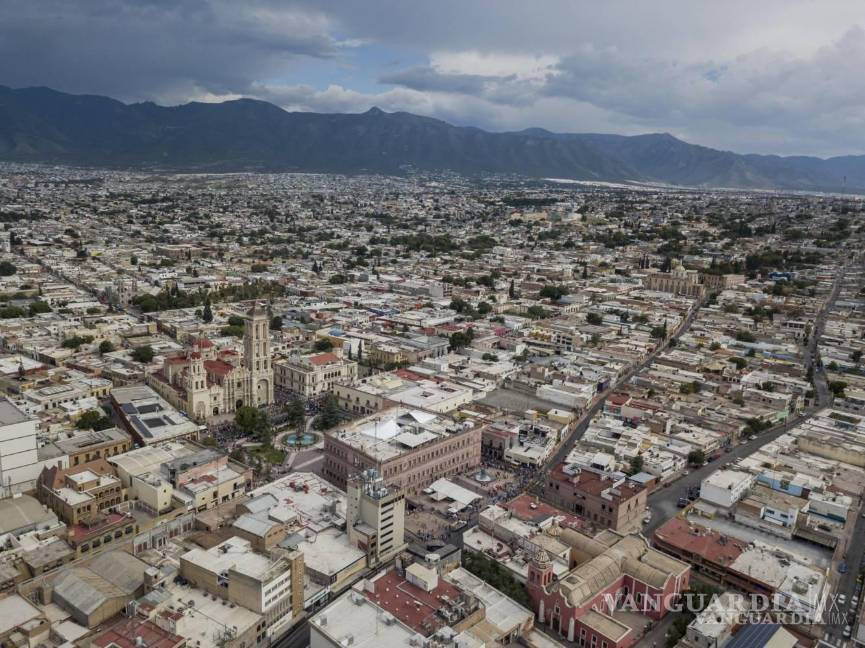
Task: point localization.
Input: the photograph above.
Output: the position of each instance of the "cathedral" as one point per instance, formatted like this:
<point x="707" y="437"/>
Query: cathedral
<point x="205" y="381"/>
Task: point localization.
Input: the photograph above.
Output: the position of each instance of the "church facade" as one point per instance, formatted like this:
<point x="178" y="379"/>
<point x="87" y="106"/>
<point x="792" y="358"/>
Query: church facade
<point x="608" y="572"/>
<point x="205" y="381"/>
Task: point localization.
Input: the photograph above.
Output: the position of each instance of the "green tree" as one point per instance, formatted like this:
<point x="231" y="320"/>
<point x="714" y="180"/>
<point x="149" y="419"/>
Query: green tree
<point x="232" y="331"/>
<point x="106" y="346"/>
<point x="7" y="269"/>
<point x="696" y="457"/>
<point x="295" y="412"/>
<point x="636" y="464"/>
<point x="329" y="415"/>
<point x="458" y="340"/>
<point x="93" y="420"/>
<point x="276" y="323"/>
<point x="10" y="312"/>
<point x="837" y="388"/>
<point x="484" y="308"/>
<point x="37" y="307"/>
<point x="76" y="341"/>
<point x="537" y="312"/>
<point x="252" y="422"/>
<point x="143" y="353"/>
<point x="324" y="344"/>
<point x="207" y="313"/>
<point x="553" y="292"/>
<point x="594" y="319"/>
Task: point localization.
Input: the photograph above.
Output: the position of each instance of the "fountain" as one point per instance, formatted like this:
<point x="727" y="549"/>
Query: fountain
<point x="299" y="440"/>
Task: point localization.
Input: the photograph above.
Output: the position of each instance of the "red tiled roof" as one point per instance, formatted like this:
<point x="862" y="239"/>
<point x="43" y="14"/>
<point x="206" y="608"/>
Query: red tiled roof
<point x="521" y="508"/>
<point x="408" y="375"/>
<point x="126" y="630"/>
<point x="700" y="541"/>
<point x="218" y="367"/>
<point x="410" y="604"/>
<point x="593" y="484"/>
<point x="78" y="533"/>
<point x="204" y="343"/>
<point x="618" y="399"/>
<point x="323" y="359"/>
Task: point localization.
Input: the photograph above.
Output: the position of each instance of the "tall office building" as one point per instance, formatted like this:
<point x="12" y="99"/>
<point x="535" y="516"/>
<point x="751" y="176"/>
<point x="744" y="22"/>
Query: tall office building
<point x="375" y="517"/>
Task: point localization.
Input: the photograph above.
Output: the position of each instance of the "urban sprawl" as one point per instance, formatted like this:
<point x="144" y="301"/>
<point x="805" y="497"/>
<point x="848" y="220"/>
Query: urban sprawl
<point x="252" y="410"/>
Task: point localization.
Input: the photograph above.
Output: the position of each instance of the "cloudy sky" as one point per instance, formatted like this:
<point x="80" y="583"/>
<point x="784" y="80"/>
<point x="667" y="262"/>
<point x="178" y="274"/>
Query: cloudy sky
<point x="766" y="76"/>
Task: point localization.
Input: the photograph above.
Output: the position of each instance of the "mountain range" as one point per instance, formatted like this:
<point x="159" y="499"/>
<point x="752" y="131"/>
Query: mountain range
<point x="44" y="125"/>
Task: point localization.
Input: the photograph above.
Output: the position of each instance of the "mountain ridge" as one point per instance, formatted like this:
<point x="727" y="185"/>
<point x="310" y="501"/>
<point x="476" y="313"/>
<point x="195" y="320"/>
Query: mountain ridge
<point x="40" y="124"/>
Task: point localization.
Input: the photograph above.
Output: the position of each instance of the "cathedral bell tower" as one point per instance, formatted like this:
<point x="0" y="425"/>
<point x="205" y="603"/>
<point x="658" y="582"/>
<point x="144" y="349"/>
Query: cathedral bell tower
<point x="256" y="357"/>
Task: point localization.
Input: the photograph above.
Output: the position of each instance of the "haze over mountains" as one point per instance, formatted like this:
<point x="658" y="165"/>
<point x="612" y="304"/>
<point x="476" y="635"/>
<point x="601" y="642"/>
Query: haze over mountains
<point x="43" y="125"/>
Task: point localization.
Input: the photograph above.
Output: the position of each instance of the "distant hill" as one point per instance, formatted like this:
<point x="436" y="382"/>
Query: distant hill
<point x="43" y="125"/>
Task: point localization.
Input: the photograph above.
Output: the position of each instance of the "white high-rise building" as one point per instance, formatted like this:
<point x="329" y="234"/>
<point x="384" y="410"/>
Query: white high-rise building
<point x="20" y="463"/>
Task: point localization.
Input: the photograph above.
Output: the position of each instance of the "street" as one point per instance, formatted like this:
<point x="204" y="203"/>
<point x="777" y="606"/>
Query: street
<point x="582" y="424"/>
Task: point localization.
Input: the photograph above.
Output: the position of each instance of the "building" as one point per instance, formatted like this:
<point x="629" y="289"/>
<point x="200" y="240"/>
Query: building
<point x="354" y="615"/>
<point x="381" y="391"/>
<point x="91" y="591"/>
<point x="181" y="474"/>
<point x="22" y="514"/>
<point x="724" y="488"/>
<point x="605" y="570"/>
<point x="94" y="444"/>
<point x="81" y="493"/>
<point x="678" y="281"/>
<point x="149" y="418"/>
<point x="270" y="585"/>
<point x="205" y="381"/>
<point x="133" y="632"/>
<point x="790" y="581"/>
<point x="714" y="626"/>
<point x="408" y="448"/>
<point x="312" y="515"/>
<point x="314" y="374"/>
<point x="605" y="501"/>
<point x="375" y="517"/>
<point x="20" y="458"/>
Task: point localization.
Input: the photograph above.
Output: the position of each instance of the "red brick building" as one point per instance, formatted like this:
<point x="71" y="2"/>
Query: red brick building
<point x="606" y="503"/>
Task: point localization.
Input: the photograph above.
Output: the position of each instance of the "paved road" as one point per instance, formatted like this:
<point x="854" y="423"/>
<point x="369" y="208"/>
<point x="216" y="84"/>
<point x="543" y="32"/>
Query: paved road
<point x="846" y="583"/>
<point x="662" y="502"/>
<point x="583" y="422"/>
<point x="298" y="637"/>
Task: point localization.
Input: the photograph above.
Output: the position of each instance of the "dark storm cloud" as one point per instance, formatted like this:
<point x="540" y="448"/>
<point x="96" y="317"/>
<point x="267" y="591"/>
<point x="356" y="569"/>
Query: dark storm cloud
<point x="771" y="76"/>
<point x="154" y="49"/>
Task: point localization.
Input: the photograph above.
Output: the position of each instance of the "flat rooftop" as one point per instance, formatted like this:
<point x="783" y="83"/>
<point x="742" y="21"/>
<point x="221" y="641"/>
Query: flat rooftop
<point x="383" y="435"/>
<point x="353" y="615"/>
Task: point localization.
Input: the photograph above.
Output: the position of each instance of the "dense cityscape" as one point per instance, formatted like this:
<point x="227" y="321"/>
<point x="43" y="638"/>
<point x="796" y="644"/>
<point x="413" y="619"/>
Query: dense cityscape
<point x="250" y="410"/>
